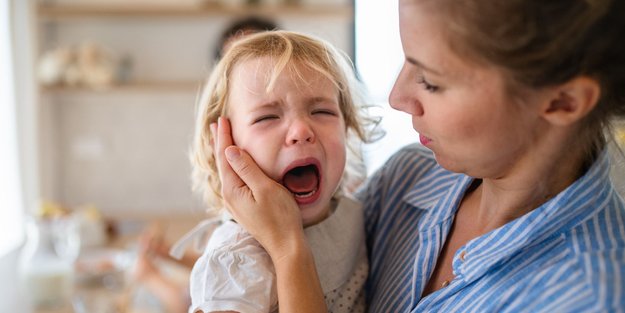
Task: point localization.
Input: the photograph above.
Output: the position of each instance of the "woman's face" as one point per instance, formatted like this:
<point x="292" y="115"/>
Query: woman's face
<point x="459" y="108"/>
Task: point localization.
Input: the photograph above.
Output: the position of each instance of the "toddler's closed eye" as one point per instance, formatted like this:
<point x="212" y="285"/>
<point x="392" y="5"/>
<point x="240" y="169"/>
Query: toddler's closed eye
<point x="264" y="118"/>
<point x="325" y="112"/>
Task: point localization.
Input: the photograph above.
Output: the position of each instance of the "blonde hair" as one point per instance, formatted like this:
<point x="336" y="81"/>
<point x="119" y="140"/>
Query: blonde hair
<point x="288" y="50"/>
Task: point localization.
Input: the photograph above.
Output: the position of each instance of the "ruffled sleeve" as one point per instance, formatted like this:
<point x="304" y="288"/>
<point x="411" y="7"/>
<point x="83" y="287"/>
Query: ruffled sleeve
<point x="234" y="274"/>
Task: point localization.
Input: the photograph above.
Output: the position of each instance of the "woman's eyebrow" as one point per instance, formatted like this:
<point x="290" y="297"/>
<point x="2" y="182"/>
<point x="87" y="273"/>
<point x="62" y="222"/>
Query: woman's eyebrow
<point x="422" y="66"/>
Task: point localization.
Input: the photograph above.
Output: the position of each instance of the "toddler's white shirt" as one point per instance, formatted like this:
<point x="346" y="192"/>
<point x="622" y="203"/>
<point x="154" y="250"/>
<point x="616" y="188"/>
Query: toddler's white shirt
<point x="235" y="273"/>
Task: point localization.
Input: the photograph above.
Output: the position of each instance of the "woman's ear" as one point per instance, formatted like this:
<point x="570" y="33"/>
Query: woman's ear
<point x="571" y="101"/>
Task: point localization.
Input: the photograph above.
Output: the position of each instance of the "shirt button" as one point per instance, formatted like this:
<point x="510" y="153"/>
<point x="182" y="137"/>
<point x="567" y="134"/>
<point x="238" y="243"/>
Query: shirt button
<point x="463" y="254"/>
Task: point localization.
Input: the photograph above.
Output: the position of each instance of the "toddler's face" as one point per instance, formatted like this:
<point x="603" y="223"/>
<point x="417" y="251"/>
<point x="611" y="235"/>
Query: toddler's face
<point x="295" y="133"/>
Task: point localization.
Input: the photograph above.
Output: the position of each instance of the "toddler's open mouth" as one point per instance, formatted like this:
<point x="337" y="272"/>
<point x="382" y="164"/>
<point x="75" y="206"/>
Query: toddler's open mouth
<point x="303" y="182"/>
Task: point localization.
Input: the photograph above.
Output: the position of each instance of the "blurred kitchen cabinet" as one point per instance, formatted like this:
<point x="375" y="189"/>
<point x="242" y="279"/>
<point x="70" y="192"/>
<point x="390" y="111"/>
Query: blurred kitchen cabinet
<point x="122" y="146"/>
<point x="52" y="11"/>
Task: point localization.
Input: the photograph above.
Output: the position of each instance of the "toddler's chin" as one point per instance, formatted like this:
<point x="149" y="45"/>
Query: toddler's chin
<point x="313" y="217"/>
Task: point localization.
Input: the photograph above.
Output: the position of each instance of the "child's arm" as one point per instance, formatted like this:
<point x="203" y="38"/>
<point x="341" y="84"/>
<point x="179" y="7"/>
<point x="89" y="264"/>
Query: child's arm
<point x="269" y="212"/>
<point x="152" y="243"/>
<point x="171" y="293"/>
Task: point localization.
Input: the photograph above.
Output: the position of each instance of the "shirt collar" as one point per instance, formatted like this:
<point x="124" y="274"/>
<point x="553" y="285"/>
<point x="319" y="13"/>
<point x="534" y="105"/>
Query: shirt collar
<point x="437" y="192"/>
<point x="577" y="203"/>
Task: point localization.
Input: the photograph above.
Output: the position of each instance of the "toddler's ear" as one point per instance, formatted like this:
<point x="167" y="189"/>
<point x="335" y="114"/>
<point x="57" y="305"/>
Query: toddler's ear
<point x="572" y="101"/>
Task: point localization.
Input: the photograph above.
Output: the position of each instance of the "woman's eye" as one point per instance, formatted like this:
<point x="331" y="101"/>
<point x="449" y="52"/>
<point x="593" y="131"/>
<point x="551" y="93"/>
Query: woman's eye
<point x="426" y="85"/>
<point x="264" y="118"/>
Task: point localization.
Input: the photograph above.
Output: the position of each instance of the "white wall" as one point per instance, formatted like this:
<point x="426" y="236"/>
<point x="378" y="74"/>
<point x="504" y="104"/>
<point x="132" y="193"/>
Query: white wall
<point x="18" y="143"/>
<point x="18" y="160"/>
<point x="379" y="58"/>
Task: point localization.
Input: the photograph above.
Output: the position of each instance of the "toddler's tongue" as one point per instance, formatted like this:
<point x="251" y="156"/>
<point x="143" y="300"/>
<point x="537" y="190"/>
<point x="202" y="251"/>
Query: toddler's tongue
<point x="301" y="179"/>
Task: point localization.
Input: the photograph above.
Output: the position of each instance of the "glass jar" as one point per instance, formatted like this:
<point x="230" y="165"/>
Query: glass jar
<point x="47" y="261"/>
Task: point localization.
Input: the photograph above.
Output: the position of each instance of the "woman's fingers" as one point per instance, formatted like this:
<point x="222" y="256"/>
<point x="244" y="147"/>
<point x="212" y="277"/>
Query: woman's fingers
<point x="248" y="171"/>
<point x="223" y="139"/>
<point x="240" y="175"/>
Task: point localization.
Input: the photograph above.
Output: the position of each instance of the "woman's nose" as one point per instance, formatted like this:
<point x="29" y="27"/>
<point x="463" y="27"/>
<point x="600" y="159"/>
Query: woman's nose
<point x="404" y="98"/>
<point x="300" y="131"/>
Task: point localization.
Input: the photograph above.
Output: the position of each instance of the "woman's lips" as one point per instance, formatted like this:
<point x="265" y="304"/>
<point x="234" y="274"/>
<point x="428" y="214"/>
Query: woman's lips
<point x="424" y="140"/>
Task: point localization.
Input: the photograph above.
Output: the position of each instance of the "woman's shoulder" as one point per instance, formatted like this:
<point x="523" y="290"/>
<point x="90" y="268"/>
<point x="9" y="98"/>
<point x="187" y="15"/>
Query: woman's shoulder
<point x="597" y="246"/>
<point x="412" y="169"/>
<point x="413" y="152"/>
<point x="602" y="229"/>
<point x="412" y="161"/>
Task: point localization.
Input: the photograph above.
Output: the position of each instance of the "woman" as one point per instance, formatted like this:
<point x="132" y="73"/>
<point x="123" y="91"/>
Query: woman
<point x="507" y="205"/>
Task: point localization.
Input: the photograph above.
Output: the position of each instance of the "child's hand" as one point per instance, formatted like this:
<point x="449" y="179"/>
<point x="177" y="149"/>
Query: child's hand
<point x="152" y="243"/>
<point x="144" y="268"/>
<point x="265" y="208"/>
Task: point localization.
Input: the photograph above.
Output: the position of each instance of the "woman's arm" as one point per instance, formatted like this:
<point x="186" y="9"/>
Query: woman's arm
<point x="268" y="211"/>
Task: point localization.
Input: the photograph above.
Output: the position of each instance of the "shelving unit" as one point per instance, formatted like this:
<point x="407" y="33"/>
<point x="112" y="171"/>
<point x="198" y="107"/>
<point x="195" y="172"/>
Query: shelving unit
<point x="51" y="15"/>
<point x="54" y="12"/>
<point x="145" y="86"/>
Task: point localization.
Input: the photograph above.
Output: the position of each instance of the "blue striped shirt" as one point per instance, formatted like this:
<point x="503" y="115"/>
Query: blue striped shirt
<point x="567" y="255"/>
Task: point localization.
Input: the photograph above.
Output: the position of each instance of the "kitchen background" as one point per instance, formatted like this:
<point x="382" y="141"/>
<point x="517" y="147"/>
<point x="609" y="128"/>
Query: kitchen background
<point x="119" y="140"/>
<point x="121" y="143"/>
<point x="106" y="91"/>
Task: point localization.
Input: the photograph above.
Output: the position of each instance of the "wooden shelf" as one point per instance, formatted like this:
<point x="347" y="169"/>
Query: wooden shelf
<point x="61" y="12"/>
<point x="192" y="87"/>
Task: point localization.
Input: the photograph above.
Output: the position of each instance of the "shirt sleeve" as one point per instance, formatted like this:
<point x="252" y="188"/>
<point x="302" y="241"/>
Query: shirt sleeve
<point x="234" y="274"/>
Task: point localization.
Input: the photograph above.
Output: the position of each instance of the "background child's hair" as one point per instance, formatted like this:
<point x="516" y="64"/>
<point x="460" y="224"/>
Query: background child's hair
<point x="242" y="27"/>
<point x="289" y="50"/>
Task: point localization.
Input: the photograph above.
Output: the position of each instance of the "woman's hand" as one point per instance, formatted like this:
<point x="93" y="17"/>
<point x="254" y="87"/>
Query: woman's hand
<point x="268" y="211"/>
<point x="265" y="208"/>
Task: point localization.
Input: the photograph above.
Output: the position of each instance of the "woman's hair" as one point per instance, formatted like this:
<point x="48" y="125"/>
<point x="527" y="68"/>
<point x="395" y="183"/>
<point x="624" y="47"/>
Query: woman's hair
<point x="289" y="51"/>
<point x="542" y="43"/>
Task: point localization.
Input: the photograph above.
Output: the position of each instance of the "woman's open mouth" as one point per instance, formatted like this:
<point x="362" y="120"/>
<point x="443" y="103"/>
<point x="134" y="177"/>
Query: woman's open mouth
<point x="303" y="182"/>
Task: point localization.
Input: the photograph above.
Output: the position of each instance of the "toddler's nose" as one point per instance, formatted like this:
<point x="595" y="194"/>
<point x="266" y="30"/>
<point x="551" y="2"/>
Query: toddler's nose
<point x="300" y="131"/>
